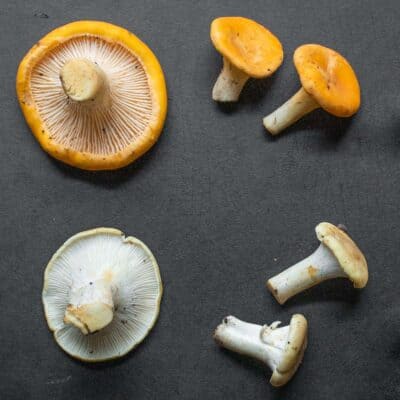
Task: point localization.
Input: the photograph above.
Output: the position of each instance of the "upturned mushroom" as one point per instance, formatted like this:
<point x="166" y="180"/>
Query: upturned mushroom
<point x="93" y="94"/>
<point x="249" y="50"/>
<point x="280" y="348"/>
<point x="328" y="81"/>
<point x="101" y="294"/>
<point x="336" y="257"/>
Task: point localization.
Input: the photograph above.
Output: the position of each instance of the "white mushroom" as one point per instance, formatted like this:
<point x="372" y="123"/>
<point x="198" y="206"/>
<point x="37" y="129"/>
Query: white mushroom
<point x="101" y="294"/>
<point x="336" y="257"/>
<point x="281" y="349"/>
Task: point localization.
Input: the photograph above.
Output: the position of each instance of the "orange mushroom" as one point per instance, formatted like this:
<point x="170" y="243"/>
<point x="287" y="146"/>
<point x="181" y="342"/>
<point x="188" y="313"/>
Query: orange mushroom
<point x="93" y="94"/>
<point x="249" y="51"/>
<point x="328" y="81"/>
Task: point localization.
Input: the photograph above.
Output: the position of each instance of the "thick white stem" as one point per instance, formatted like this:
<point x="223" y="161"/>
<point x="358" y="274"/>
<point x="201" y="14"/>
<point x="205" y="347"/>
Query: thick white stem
<point x="263" y="343"/>
<point x="229" y="84"/>
<point x="83" y="81"/>
<point x="91" y="307"/>
<point x="290" y="112"/>
<point x="318" y="267"/>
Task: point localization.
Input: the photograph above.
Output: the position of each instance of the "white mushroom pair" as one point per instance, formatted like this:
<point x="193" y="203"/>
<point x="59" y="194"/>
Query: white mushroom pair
<point x="282" y="349"/>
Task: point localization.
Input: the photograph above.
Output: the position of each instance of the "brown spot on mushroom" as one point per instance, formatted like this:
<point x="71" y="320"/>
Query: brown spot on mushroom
<point x="312" y="272"/>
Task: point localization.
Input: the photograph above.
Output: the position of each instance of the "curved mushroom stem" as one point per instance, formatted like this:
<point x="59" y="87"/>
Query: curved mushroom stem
<point x="295" y="108"/>
<point x="91" y="307"/>
<point x="318" y="267"/>
<point x="83" y="81"/>
<point x="263" y="343"/>
<point x="229" y="84"/>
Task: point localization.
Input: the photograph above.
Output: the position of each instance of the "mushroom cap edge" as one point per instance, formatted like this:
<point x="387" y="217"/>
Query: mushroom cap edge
<point x="349" y="256"/>
<point x="293" y="352"/>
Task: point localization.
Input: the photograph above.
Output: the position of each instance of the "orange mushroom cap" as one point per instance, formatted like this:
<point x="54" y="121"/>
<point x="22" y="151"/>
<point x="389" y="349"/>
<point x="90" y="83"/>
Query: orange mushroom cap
<point x="92" y="136"/>
<point x="328" y="78"/>
<point x="248" y="45"/>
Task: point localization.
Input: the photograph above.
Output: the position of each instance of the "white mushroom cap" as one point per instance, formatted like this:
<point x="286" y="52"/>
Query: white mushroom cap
<point x="281" y="348"/>
<point x="101" y="294"/>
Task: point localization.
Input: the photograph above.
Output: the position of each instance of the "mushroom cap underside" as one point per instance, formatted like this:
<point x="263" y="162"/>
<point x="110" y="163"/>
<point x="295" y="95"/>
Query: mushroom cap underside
<point x="329" y="78"/>
<point x="293" y="352"/>
<point x="349" y="256"/>
<point x="248" y="45"/>
<point x="88" y="137"/>
<point x="132" y="271"/>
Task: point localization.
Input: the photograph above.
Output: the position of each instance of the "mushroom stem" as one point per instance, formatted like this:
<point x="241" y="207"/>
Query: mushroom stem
<point x="90" y="307"/>
<point x="229" y="84"/>
<point x="83" y="81"/>
<point x="295" y="108"/>
<point x="318" y="267"/>
<point x="263" y="343"/>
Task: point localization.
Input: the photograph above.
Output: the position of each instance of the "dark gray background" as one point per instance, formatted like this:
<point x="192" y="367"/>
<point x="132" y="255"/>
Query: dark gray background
<point x="222" y="206"/>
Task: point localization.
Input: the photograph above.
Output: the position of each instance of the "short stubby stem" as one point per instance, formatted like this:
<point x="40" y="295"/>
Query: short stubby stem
<point x="84" y="81"/>
<point x="91" y="307"/>
<point x="229" y="84"/>
<point x="318" y="267"/>
<point x="295" y="108"/>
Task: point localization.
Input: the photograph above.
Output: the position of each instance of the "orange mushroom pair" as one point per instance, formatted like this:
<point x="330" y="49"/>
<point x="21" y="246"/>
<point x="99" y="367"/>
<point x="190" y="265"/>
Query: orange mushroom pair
<point x="250" y="50"/>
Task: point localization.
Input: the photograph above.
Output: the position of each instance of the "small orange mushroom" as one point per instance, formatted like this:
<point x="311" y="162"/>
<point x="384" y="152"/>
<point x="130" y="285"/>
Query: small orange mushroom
<point x="93" y="94"/>
<point x="249" y="50"/>
<point x="328" y="81"/>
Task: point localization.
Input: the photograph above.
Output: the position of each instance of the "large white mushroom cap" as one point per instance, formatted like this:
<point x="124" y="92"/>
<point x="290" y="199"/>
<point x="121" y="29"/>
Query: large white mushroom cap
<point x="117" y="279"/>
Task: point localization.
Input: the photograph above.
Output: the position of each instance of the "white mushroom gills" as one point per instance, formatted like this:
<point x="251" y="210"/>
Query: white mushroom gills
<point x="91" y="307"/>
<point x="264" y="343"/>
<point x="318" y="267"/>
<point x="294" y="109"/>
<point x="230" y="83"/>
<point x="100" y="281"/>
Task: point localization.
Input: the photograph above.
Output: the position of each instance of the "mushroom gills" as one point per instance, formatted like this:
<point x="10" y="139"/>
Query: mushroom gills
<point x="320" y="266"/>
<point x="294" y="109"/>
<point x="229" y="84"/>
<point x="91" y="307"/>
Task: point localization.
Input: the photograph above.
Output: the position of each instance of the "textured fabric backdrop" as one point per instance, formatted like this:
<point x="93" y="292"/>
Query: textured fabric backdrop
<point x="222" y="206"/>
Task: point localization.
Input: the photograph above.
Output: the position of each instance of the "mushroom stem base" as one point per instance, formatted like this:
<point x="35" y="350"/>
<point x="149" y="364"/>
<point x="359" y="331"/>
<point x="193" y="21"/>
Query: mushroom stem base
<point x="320" y="266"/>
<point x="84" y="82"/>
<point x="229" y="84"/>
<point x="295" y="108"/>
<point x="91" y="307"/>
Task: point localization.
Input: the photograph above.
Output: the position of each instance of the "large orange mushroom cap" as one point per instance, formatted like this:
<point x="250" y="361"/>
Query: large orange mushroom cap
<point x="329" y="78"/>
<point x="249" y="46"/>
<point x="93" y="94"/>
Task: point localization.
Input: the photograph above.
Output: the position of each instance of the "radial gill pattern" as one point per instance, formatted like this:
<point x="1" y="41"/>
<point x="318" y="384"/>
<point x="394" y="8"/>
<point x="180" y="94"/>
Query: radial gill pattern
<point x="134" y="276"/>
<point x="102" y="130"/>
